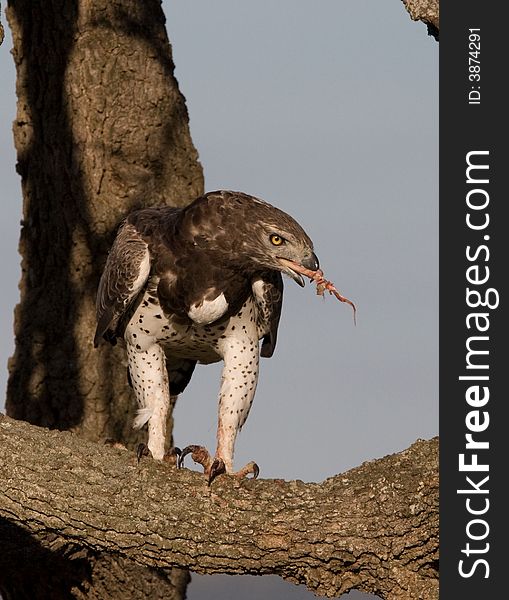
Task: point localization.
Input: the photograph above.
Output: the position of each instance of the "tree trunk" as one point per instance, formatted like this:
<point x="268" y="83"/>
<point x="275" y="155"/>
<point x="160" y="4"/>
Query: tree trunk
<point x="374" y="528"/>
<point x="101" y="129"/>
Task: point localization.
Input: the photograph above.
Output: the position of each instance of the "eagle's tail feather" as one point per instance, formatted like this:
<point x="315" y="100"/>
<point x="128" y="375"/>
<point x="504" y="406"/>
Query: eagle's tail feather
<point x="142" y="416"/>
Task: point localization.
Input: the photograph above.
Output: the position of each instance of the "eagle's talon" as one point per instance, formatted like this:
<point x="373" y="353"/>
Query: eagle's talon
<point x="199" y="454"/>
<point x="250" y="468"/>
<point x="172" y="457"/>
<point x="211" y="467"/>
<point x="217" y="468"/>
<point x="191" y="449"/>
<point x="141" y="451"/>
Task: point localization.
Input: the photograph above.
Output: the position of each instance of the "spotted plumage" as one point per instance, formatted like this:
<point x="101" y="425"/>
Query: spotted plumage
<point x="199" y="284"/>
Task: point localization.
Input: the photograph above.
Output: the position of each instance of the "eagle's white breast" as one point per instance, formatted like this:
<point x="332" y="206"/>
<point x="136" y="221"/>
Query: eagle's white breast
<point x="208" y="311"/>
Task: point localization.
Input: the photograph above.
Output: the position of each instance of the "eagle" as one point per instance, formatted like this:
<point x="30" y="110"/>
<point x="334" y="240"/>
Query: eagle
<point x="199" y="284"/>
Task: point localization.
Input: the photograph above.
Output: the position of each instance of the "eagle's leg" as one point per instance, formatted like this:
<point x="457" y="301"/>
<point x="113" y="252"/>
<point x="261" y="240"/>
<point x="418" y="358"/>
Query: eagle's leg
<point x="149" y="376"/>
<point x="238" y="386"/>
<point x="212" y="467"/>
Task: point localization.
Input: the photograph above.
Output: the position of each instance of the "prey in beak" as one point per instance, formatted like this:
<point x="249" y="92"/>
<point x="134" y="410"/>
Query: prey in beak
<point x="296" y="271"/>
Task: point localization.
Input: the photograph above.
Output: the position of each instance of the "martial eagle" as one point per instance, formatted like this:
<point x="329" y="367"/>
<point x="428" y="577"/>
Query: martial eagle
<point x="200" y="284"/>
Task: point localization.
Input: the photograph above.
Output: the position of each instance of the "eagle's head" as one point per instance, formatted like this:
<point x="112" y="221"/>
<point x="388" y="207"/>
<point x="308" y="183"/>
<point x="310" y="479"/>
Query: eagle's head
<point x="250" y="233"/>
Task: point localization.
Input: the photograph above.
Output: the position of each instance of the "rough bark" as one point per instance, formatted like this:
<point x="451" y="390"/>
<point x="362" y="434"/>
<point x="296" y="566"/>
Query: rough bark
<point x="101" y="129"/>
<point x="427" y="11"/>
<point x="374" y="528"/>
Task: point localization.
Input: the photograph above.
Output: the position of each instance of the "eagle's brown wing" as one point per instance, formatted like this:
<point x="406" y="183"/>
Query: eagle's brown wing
<point x="124" y="277"/>
<point x="268" y="293"/>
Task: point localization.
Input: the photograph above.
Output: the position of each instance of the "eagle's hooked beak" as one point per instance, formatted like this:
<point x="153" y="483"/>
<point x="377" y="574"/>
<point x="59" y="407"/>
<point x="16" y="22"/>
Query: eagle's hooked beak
<point x="295" y="270"/>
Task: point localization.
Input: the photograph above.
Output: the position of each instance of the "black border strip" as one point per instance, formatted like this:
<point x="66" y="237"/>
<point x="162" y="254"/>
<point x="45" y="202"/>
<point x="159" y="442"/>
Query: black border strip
<point x="474" y="256"/>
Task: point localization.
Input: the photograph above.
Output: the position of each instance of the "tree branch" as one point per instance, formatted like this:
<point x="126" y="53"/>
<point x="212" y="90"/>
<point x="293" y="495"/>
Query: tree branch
<point x="374" y="528"/>
<point x="427" y="11"/>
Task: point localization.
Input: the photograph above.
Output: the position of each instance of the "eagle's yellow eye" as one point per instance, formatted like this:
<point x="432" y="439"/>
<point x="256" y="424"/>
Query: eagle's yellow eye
<point x="277" y="240"/>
